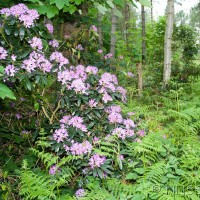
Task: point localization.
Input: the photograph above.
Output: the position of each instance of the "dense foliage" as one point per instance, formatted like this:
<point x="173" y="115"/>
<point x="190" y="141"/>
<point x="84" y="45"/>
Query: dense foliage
<point x="71" y="123"/>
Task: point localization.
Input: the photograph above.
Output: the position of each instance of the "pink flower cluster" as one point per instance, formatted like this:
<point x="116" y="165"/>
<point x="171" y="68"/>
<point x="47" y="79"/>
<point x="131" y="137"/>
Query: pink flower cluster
<point x="79" y="47"/>
<point x="100" y="51"/>
<point x="3" y="53"/>
<point x="94" y="28"/>
<point x="36" y="60"/>
<point x="114" y="114"/>
<point x="91" y="70"/>
<point x="81" y="148"/>
<point x="80" y="193"/>
<point x="21" y="11"/>
<point x="92" y="103"/>
<point x="59" y="58"/>
<point x="49" y="28"/>
<point x="74" y="79"/>
<point x="53" y="169"/>
<point x="36" y="43"/>
<point x="107" y="56"/>
<point x="123" y="92"/>
<point x="123" y="133"/>
<point x="130" y="74"/>
<point x="60" y="134"/>
<point x="54" y="43"/>
<point x="10" y="70"/>
<point x="96" y="161"/>
<point x="76" y="122"/>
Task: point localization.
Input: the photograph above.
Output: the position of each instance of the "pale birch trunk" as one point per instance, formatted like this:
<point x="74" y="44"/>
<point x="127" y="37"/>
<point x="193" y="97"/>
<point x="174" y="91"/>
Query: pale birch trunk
<point x="168" y="43"/>
<point x="151" y="10"/>
<point x="126" y="22"/>
<point x="143" y="35"/>
<point x="100" y="33"/>
<point x="113" y="30"/>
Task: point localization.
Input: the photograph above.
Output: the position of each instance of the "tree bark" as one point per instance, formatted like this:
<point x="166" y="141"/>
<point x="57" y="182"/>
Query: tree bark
<point x="140" y="82"/>
<point x="100" y="33"/>
<point x="143" y="36"/>
<point x="168" y="43"/>
<point x="126" y="22"/>
<point x="113" y="30"/>
<point x="151" y="10"/>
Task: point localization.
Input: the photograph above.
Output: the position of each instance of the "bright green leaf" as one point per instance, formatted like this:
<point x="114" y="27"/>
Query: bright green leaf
<point x="6" y="92"/>
<point x="60" y="3"/>
<point x="131" y="176"/>
<point x="145" y="3"/>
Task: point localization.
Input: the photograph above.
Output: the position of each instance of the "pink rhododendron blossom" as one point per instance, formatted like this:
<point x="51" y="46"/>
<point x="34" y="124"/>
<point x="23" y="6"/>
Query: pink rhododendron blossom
<point x="3" y="53"/>
<point x="36" y="43"/>
<point x="79" y="47"/>
<point x="49" y="28"/>
<point x="59" y="58"/>
<point x="81" y="148"/>
<point x="130" y="113"/>
<point x="120" y="132"/>
<point x="92" y="103"/>
<point x="10" y="70"/>
<point x="115" y="109"/>
<point x="36" y="61"/>
<point x="77" y="122"/>
<point x="96" y="161"/>
<point x="65" y="119"/>
<point x="106" y="98"/>
<point x="141" y="133"/>
<point x="123" y="93"/>
<point x="115" y="117"/>
<point x="93" y="28"/>
<point x="53" y="169"/>
<point x="95" y="139"/>
<point x="79" y="86"/>
<point x="60" y="134"/>
<point x="54" y="43"/>
<point x="21" y="11"/>
<point x="66" y="148"/>
<point x="121" y="157"/>
<point x="92" y="70"/>
<point x="138" y="140"/>
<point x="13" y="57"/>
<point x="80" y="193"/>
<point x="130" y="74"/>
<point x="129" y="123"/>
<point x="107" y="56"/>
<point x="100" y="51"/>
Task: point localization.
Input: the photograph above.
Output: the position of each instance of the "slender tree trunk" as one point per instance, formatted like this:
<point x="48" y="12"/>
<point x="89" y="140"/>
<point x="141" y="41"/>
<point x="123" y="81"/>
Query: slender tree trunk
<point x="113" y="30"/>
<point x="126" y="20"/>
<point x="143" y="36"/>
<point x="151" y="10"/>
<point x="140" y="81"/>
<point x="100" y="33"/>
<point x="168" y="43"/>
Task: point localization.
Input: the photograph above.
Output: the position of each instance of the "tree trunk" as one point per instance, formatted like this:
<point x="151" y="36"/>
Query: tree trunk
<point x="113" y="30"/>
<point x="140" y="82"/>
<point x="143" y="36"/>
<point x="100" y="33"/>
<point x="126" y="22"/>
<point x="151" y="10"/>
<point x="168" y="43"/>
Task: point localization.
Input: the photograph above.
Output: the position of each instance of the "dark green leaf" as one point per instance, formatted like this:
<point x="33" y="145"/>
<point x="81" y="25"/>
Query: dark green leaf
<point x="21" y="33"/>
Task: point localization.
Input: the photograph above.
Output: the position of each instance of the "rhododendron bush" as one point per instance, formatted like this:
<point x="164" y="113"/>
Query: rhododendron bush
<point x="84" y="121"/>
